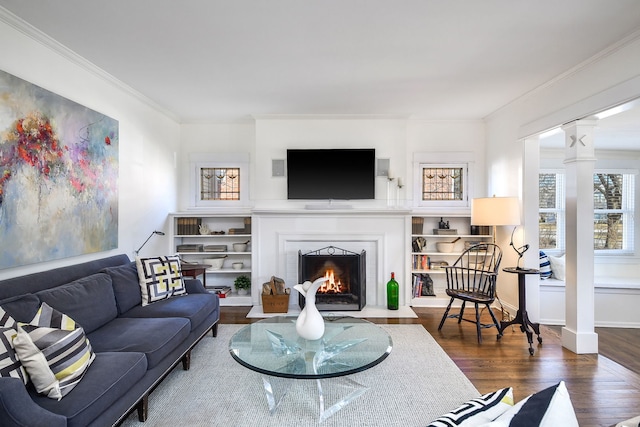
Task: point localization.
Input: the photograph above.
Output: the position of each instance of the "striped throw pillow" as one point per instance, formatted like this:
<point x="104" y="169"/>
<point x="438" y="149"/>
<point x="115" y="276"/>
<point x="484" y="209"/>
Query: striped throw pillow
<point x="160" y="278"/>
<point x="483" y="409"/>
<point x="54" y="351"/>
<point x="545" y="266"/>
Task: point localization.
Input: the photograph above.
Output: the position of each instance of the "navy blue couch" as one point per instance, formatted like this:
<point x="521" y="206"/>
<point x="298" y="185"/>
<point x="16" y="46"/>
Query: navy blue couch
<point x="135" y="346"/>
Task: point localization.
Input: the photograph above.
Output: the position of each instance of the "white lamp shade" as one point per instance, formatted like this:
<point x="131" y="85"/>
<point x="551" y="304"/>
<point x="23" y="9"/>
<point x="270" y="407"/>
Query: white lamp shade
<point x="495" y="211"/>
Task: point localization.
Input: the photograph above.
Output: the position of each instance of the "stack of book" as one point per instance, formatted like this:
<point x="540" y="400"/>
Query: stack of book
<point x="189" y="248"/>
<point x="245" y="230"/>
<point x="188" y="226"/>
<point x="221" y="291"/>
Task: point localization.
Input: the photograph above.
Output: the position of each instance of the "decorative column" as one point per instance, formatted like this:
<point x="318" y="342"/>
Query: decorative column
<point x="530" y="219"/>
<point x="578" y="334"/>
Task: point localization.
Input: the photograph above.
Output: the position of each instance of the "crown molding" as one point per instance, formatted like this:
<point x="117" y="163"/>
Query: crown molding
<point x="615" y="47"/>
<point x="38" y="36"/>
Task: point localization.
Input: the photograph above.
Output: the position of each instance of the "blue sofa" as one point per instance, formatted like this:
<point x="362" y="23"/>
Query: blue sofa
<point x="135" y="346"/>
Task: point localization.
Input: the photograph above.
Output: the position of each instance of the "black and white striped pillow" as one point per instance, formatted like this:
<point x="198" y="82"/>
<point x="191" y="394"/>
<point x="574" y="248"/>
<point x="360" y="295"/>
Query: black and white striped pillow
<point x="478" y="411"/>
<point x="54" y="351"/>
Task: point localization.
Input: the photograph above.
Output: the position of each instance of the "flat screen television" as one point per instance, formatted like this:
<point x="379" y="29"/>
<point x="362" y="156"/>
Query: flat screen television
<point x="331" y="174"/>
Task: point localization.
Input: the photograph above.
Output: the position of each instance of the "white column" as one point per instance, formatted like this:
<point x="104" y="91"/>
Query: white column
<point x="530" y="219"/>
<point x="579" y="335"/>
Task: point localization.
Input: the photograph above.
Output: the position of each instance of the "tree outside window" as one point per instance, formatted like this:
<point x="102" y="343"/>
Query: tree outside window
<point x="613" y="197"/>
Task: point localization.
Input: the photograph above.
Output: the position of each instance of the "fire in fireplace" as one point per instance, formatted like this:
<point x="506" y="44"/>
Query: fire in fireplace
<point x="345" y="289"/>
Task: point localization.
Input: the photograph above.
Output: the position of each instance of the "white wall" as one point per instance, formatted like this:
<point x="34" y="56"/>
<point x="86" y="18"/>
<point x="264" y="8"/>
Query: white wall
<point x="148" y="138"/>
<point x="607" y="80"/>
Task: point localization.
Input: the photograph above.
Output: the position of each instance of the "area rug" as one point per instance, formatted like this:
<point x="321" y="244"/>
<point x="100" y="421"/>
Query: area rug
<point x="416" y="384"/>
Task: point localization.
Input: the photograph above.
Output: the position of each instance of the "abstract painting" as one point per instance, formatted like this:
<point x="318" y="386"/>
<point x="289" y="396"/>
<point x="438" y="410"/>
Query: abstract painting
<point x="58" y="176"/>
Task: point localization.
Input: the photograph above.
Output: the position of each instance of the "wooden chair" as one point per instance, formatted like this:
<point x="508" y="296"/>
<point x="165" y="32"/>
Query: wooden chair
<point x="472" y="278"/>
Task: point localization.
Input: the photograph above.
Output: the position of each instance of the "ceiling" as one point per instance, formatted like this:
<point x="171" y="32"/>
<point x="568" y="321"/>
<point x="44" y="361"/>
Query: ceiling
<point x="210" y="60"/>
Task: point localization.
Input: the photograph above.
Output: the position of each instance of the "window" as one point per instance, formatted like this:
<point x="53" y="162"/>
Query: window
<point x="442" y="183"/>
<point x="220" y="183"/>
<point x="219" y="180"/>
<point x="613" y="198"/>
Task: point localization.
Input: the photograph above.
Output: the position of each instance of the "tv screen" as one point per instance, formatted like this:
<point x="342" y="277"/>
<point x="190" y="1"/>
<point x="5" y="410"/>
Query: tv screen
<point x="338" y="174"/>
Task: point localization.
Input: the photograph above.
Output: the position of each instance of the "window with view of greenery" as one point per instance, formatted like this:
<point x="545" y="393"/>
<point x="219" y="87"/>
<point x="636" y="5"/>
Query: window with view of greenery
<point x="613" y="198"/>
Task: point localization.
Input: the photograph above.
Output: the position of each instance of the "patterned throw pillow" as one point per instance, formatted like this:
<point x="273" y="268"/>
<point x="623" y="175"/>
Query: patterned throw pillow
<point x="160" y="278"/>
<point x="550" y="407"/>
<point x="10" y="366"/>
<point x="54" y="351"/>
<point x="545" y="266"/>
<point x="478" y="411"/>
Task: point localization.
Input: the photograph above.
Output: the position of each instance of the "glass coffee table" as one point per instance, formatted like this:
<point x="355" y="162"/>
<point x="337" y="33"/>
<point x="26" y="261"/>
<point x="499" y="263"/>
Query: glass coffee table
<point x="273" y="348"/>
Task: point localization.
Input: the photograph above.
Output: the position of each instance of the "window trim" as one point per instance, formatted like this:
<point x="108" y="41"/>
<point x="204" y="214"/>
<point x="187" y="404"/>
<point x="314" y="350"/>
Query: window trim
<point x="443" y="160"/>
<point x="228" y="160"/>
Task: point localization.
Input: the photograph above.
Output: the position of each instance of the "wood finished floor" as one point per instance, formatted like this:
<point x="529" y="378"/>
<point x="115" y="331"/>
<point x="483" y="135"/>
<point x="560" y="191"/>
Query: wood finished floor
<point x="602" y="391"/>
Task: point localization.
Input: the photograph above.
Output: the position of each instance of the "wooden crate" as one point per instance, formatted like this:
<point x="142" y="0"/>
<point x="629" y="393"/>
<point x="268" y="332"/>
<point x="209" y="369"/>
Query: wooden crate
<point x="275" y="303"/>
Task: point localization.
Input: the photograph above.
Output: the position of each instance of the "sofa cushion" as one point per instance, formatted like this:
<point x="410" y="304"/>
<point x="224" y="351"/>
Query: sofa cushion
<point x="10" y="366"/>
<point x="90" y="301"/>
<point x="110" y="376"/>
<point x="154" y="337"/>
<point x="196" y="308"/>
<point x="126" y="287"/>
<point x="22" y="308"/>
<point x="54" y="351"/>
<point x="160" y="278"/>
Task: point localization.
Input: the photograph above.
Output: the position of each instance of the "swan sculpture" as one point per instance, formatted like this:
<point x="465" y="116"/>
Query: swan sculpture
<point x="310" y="324"/>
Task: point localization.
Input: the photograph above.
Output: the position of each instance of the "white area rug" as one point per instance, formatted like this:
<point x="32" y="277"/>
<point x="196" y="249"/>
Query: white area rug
<point x="368" y="311"/>
<point x="417" y="383"/>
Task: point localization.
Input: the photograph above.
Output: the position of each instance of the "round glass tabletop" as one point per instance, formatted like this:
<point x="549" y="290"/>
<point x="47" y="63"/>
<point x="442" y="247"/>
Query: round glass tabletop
<point x="272" y="347"/>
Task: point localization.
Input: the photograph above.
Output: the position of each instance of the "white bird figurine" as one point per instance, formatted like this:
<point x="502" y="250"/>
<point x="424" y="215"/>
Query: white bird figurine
<point x="310" y="324"/>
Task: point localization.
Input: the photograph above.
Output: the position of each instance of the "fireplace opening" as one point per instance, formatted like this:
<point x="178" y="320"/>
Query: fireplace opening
<point x="345" y="289"/>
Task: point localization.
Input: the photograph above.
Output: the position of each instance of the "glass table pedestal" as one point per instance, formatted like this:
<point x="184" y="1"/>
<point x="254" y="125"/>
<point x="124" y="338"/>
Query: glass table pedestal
<point x="273" y="348"/>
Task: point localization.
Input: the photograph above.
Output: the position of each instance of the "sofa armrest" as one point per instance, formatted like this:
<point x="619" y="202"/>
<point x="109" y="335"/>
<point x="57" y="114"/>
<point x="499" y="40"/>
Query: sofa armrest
<point x="18" y="409"/>
<point x="194" y="286"/>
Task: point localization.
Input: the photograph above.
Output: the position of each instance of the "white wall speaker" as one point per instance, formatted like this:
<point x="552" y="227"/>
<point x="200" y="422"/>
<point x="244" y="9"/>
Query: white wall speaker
<point x="277" y="167"/>
<point x="382" y="167"/>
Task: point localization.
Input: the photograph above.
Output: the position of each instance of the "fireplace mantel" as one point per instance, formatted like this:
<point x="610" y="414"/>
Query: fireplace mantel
<point x="278" y="235"/>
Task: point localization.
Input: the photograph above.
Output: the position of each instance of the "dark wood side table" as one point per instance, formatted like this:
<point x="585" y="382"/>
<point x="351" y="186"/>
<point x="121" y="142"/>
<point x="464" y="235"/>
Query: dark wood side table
<point x="195" y="270"/>
<point x="522" y="318"/>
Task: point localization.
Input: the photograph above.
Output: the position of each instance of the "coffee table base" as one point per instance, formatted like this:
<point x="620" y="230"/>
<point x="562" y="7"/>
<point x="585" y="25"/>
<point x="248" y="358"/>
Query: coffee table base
<point x="275" y="397"/>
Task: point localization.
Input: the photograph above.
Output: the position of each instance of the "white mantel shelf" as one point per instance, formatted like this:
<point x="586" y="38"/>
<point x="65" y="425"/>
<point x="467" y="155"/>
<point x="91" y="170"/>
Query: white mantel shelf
<point x="333" y="211"/>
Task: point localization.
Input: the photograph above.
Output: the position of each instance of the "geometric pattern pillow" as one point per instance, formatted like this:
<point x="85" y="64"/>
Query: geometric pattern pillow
<point x="10" y="365"/>
<point x="545" y="266"/>
<point x="550" y="407"/>
<point x="6" y="321"/>
<point x="478" y="411"/>
<point x="54" y="351"/>
<point x="160" y="278"/>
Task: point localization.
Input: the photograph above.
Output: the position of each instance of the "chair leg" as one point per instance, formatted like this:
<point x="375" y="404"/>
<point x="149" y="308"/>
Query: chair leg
<point x="461" y="312"/>
<point x="478" y="325"/>
<point x="495" y="320"/>
<point x="446" y="312"/>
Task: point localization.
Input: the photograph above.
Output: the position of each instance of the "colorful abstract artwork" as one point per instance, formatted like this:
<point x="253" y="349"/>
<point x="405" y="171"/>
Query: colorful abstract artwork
<point x="58" y="176"/>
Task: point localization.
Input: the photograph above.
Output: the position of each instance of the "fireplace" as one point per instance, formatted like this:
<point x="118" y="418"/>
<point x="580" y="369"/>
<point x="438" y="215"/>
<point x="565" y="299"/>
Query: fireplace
<point x="345" y="289"/>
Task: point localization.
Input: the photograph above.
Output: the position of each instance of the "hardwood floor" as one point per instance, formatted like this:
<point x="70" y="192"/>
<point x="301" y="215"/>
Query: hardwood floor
<point x="602" y="391"/>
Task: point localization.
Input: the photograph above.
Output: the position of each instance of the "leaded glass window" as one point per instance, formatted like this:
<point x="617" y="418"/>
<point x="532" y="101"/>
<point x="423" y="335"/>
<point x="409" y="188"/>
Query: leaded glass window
<point x="220" y="183"/>
<point x="442" y="183"/>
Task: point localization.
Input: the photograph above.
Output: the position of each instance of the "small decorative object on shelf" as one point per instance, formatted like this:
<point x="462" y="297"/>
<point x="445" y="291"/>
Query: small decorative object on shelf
<point x="393" y="293"/>
<point x="242" y="284"/>
<point x="310" y="324"/>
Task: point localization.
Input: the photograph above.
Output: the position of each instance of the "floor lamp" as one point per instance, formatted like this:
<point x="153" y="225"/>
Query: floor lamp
<point x="495" y="211"/>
